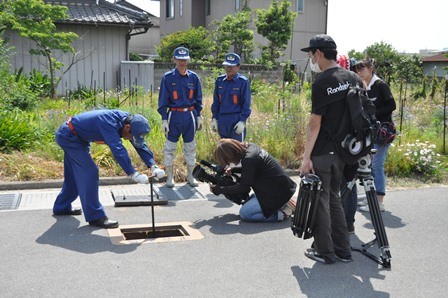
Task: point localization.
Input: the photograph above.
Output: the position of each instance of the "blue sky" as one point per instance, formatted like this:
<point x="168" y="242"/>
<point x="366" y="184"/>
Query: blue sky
<point x="408" y="25"/>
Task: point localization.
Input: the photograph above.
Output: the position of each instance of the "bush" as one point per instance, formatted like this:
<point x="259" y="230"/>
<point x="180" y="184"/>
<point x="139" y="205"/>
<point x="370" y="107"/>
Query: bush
<point x="15" y="92"/>
<point x="40" y="84"/>
<point x="16" y="131"/>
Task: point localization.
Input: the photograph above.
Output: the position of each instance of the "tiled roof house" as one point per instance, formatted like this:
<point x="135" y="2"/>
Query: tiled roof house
<point x="104" y="31"/>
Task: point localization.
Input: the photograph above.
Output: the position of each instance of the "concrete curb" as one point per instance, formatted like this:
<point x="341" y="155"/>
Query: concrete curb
<point x="57" y="183"/>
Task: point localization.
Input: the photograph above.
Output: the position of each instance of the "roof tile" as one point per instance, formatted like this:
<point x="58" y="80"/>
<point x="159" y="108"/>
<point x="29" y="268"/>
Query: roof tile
<point x="88" y="11"/>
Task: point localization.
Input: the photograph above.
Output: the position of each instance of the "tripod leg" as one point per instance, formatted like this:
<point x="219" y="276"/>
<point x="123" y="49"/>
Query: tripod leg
<point x="377" y="221"/>
<point x="347" y="189"/>
<point x="307" y="202"/>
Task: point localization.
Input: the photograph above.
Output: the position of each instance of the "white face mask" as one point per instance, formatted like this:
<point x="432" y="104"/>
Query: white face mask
<point x="314" y="66"/>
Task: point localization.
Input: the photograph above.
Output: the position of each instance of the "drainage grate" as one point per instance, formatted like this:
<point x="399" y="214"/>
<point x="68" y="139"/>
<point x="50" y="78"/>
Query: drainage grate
<point x="10" y="201"/>
<point x="184" y="192"/>
<point x="138" y="234"/>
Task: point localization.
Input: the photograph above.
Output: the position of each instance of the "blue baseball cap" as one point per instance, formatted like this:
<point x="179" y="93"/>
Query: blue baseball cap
<point x="139" y="129"/>
<point x="232" y="59"/>
<point x="182" y="53"/>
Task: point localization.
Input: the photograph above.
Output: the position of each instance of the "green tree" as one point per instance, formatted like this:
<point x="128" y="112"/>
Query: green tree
<point x="234" y="31"/>
<point x="385" y="56"/>
<point x="355" y="55"/>
<point x="276" y="25"/>
<point x="198" y="40"/>
<point x="408" y="68"/>
<point x="34" y="20"/>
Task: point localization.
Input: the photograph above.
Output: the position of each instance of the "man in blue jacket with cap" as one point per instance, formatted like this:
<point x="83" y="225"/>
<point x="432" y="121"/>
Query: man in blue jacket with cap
<point x="81" y="177"/>
<point x="231" y="101"/>
<point x="180" y="105"/>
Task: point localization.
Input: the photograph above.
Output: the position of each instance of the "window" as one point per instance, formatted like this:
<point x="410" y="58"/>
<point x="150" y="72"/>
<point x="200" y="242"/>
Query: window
<point x="170" y="9"/>
<point x="300" y="5"/>
<point x="180" y="7"/>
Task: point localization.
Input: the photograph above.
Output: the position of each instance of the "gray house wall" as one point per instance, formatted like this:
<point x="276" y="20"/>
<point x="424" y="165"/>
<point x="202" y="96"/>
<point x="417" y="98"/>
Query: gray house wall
<point x="307" y="24"/>
<point x="145" y="43"/>
<point x="101" y="49"/>
<point x="439" y="69"/>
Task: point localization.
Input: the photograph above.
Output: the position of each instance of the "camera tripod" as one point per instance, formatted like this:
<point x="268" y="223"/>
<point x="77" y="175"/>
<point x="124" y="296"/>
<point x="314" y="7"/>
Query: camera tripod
<point x="364" y="175"/>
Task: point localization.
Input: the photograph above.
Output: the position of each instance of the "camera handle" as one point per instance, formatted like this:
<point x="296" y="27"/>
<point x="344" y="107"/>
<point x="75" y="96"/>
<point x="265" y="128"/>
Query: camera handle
<point x="364" y="175"/>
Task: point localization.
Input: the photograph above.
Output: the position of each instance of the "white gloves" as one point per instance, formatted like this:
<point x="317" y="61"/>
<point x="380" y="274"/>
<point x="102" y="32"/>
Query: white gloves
<point x="165" y="127"/>
<point x="140" y="178"/>
<point x="157" y="172"/>
<point x="239" y="127"/>
<point x="198" y="123"/>
<point x="214" y="124"/>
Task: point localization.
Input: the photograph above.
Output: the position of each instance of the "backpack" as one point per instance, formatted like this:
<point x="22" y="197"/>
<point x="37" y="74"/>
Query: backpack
<point x="358" y="127"/>
<point x="386" y="133"/>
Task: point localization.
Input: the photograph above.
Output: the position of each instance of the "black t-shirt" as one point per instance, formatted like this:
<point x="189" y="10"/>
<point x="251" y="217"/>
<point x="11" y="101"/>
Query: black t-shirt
<point x="328" y="100"/>
<point x="383" y="100"/>
<point x="272" y="186"/>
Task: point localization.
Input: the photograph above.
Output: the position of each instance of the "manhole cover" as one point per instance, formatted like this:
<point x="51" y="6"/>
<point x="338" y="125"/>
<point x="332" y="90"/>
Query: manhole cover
<point x="137" y="200"/>
<point x="10" y="201"/>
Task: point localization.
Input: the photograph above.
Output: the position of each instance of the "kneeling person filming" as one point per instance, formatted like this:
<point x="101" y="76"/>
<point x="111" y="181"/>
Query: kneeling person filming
<point x="273" y="188"/>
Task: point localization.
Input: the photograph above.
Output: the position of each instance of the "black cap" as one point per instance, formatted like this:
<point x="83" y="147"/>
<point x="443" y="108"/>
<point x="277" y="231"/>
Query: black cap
<point x="320" y="41"/>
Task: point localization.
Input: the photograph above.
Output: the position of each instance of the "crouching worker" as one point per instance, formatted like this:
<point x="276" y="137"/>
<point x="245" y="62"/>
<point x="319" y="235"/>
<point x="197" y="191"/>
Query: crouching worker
<point x="81" y="176"/>
<point x="273" y="188"/>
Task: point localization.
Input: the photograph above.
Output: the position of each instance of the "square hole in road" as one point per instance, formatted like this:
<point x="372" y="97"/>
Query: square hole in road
<point x="146" y="233"/>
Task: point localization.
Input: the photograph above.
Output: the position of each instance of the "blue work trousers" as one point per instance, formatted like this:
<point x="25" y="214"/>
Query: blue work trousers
<point x="81" y="176"/>
<point x="226" y="127"/>
<point x="181" y="124"/>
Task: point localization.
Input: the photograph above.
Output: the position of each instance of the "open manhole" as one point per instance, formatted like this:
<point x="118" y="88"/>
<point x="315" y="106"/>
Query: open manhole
<point x="146" y="233"/>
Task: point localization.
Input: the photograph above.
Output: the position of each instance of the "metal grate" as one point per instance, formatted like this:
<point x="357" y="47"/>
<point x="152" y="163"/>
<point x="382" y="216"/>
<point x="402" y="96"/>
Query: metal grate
<point x="184" y="192"/>
<point x="10" y="201"/>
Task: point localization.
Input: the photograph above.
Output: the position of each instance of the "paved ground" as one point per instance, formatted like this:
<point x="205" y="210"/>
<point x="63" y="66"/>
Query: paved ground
<point x="46" y="256"/>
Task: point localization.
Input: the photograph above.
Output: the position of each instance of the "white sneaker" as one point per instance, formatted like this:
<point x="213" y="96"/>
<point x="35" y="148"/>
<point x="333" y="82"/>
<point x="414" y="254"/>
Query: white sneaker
<point x="289" y="208"/>
<point x="366" y="208"/>
<point x="362" y="203"/>
<point x="361" y="196"/>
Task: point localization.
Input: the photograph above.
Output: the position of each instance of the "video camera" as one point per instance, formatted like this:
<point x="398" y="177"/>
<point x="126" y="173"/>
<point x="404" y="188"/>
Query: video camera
<point x="216" y="175"/>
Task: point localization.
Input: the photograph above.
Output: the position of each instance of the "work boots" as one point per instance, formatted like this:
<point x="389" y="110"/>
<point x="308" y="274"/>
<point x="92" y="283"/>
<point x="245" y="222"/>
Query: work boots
<point x="170" y="178"/>
<point x="190" y="177"/>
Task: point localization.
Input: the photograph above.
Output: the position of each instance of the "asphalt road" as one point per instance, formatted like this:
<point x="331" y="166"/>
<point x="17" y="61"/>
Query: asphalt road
<point x="46" y="256"/>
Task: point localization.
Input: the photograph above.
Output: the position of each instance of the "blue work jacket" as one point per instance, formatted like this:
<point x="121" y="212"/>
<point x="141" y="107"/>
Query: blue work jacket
<point x="232" y="96"/>
<point x="180" y="91"/>
<point x="104" y="126"/>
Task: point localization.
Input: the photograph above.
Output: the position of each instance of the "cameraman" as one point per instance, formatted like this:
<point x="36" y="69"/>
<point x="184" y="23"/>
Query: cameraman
<point x="273" y="188"/>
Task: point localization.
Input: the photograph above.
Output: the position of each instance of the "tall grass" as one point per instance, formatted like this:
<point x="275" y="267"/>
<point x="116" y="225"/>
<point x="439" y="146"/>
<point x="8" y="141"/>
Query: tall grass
<point x="278" y="123"/>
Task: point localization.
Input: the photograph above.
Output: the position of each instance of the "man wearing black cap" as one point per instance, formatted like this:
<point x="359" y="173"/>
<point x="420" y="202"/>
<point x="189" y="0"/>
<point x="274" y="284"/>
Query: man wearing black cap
<point x="331" y="239"/>
<point x="80" y="171"/>
<point x="231" y="101"/>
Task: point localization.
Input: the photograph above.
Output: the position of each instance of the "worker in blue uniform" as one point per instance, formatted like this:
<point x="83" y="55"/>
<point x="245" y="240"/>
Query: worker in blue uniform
<point x="81" y="175"/>
<point x="180" y="105"/>
<point x="231" y="101"/>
